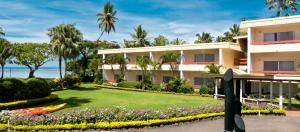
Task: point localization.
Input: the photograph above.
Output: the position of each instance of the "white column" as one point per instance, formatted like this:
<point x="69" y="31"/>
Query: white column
<point x="152" y="59"/>
<point x="259" y="90"/>
<point x="248" y="50"/>
<point x="290" y="98"/>
<point x="103" y="71"/>
<point x="220" y="57"/>
<point x="241" y="91"/>
<point x="151" y="56"/>
<point x="125" y="76"/>
<point x="271" y="92"/>
<point x="181" y="64"/>
<point x="216" y="88"/>
<point x="234" y="87"/>
<point x="280" y="95"/>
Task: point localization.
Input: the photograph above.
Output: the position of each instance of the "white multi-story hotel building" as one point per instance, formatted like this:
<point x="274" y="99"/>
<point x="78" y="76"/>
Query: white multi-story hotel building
<point x="271" y="47"/>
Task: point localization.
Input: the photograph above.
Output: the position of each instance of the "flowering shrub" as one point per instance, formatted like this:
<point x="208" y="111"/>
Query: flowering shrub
<point x="104" y="115"/>
<point x="40" y="110"/>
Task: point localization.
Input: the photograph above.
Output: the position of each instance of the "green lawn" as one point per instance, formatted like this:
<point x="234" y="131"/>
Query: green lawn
<point x="87" y="96"/>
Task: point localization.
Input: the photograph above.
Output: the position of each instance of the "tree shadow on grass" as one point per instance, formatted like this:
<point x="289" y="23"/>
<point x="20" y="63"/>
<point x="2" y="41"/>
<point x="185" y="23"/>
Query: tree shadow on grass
<point x="71" y="102"/>
<point x="84" y="88"/>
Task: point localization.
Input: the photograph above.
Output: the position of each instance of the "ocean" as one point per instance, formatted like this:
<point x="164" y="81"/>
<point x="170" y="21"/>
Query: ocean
<point x="23" y="72"/>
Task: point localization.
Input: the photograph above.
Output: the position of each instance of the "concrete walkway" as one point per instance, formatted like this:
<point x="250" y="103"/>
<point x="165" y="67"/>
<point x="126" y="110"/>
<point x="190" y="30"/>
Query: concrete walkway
<point x="253" y="124"/>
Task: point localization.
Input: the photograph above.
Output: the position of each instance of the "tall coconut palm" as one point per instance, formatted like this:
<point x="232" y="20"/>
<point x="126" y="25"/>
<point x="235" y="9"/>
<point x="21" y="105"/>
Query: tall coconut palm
<point x="1" y="33"/>
<point x="107" y="19"/>
<point x="140" y="37"/>
<point x="283" y="6"/>
<point x="6" y="51"/>
<point x="204" y="38"/>
<point x="172" y="59"/>
<point x="62" y="39"/>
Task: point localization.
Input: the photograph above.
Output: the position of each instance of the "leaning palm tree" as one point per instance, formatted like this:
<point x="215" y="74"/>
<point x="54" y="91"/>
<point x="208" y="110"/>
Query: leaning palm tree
<point x="204" y="38"/>
<point x="62" y="40"/>
<point x="283" y="5"/>
<point x="172" y="59"/>
<point x="1" y="33"/>
<point x="6" y="51"/>
<point x="107" y="19"/>
<point x="140" y="37"/>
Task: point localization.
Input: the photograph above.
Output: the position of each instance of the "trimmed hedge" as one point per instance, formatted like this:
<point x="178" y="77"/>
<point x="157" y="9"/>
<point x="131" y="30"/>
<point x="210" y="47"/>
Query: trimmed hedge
<point x="127" y="84"/>
<point x="26" y="103"/>
<point x="12" y="89"/>
<point x="152" y="91"/>
<point x="131" y="124"/>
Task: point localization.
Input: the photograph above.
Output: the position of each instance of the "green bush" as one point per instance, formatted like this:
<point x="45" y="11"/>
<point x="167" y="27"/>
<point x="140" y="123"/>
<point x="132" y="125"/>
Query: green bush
<point x="156" y="87"/>
<point x="203" y="89"/>
<point x="127" y="84"/>
<point x="38" y="87"/>
<point x="70" y="80"/>
<point x="186" y="88"/>
<point x="297" y="96"/>
<point x="12" y="89"/>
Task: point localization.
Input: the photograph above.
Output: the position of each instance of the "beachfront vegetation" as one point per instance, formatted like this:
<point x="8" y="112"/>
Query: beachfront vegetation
<point x="62" y="39"/>
<point x="107" y="19"/>
<point x="289" y="7"/>
<point x="32" y="55"/>
<point x="6" y="51"/>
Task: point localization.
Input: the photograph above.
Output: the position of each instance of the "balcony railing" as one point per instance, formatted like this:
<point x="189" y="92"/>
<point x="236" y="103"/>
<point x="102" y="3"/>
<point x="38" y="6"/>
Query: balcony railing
<point x="199" y="63"/>
<point x="240" y="61"/>
<point x="276" y="42"/>
<point x="277" y="72"/>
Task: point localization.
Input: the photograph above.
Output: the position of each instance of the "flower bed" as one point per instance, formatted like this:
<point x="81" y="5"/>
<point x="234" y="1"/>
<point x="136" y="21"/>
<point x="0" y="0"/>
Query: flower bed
<point x="130" y="124"/>
<point x="40" y="110"/>
<point x="27" y="103"/>
<point x="151" y="91"/>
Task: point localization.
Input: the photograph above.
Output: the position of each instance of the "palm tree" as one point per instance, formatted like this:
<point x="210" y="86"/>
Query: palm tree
<point x="283" y="5"/>
<point x="62" y="39"/>
<point x="148" y="66"/>
<point x="160" y="40"/>
<point x="215" y="69"/>
<point x="178" y="41"/>
<point x="107" y="19"/>
<point x="204" y="38"/>
<point x="117" y="59"/>
<point x="140" y="37"/>
<point x="6" y="51"/>
<point x="1" y="32"/>
<point x="172" y="59"/>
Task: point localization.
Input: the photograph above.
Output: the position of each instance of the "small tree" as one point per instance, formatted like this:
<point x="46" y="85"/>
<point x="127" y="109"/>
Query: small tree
<point x="172" y="59"/>
<point x="148" y="67"/>
<point x="6" y="52"/>
<point x="117" y="59"/>
<point x="32" y="55"/>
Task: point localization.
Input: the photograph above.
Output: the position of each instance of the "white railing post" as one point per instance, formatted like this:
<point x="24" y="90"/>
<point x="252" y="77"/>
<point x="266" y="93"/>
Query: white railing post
<point x="271" y="92"/>
<point x="249" y="31"/>
<point x="259" y="90"/>
<point x="280" y="95"/>
<point x="216" y="88"/>
<point x="181" y="64"/>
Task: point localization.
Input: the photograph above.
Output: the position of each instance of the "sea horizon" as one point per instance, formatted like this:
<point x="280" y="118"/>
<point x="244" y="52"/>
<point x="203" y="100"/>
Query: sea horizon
<point x="23" y="72"/>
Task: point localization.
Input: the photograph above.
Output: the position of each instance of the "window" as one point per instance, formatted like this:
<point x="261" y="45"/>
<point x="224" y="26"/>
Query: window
<point x="202" y="81"/>
<point x="139" y="78"/>
<point x="167" y="79"/>
<point x="279" y="66"/>
<point x="279" y="36"/>
<point x="204" y="58"/>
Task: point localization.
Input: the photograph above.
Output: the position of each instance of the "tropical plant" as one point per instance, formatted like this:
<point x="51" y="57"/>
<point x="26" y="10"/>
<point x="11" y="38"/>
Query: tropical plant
<point x="213" y="68"/>
<point x="148" y="66"/>
<point x="178" y="41"/>
<point x="32" y="55"/>
<point x="62" y="39"/>
<point x="139" y="38"/>
<point x="6" y="51"/>
<point x="234" y="31"/>
<point x="283" y="6"/>
<point x="119" y="59"/>
<point x="107" y="19"/>
<point x="1" y="32"/>
<point x="160" y="41"/>
<point x="87" y="50"/>
<point x="179" y="85"/>
<point x="172" y="59"/>
<point x="203" y="38"/>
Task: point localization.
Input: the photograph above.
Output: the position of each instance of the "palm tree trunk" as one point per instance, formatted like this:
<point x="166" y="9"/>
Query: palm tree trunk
<point x="65" y="60"/>
<point x="2" y="69"/>
<point x="59" y="63"/>
<point x="31" y="74"/>
<point x="100" y="35"/>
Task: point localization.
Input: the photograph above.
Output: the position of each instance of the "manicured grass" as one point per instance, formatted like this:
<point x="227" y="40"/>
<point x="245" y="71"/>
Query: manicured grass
<point x="88" y="96"/>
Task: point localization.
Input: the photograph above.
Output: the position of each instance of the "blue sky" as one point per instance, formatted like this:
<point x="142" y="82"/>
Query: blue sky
<point x="28" y="20"/>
